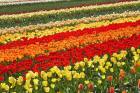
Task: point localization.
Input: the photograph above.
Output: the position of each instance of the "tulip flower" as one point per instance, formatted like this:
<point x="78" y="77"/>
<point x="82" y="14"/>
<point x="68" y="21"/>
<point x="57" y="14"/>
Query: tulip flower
<point x="121" y="74"/>
<point x="80" y="86"/>
<point x="47" y="89"/>
<point x="20" y="80"/>
<point x="12" y="81"/>
<point x="90" y="86"/>
<point x="111" y="90"/>
<point x="132" y="70"/>
<point x="109" y="78"/>
<point x="139" y="84"/>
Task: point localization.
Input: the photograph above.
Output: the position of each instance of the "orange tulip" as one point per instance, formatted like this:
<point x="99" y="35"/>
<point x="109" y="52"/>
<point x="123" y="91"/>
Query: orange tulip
<point x="109" y="78"/>
<point x="139" y="84"/>
<point x="132" y="70"/>
<point x="121" y="74"/>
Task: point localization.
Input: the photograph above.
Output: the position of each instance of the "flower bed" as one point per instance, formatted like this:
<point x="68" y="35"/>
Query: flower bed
<point x="20" y="6"/>
<point x="78" y="52"/>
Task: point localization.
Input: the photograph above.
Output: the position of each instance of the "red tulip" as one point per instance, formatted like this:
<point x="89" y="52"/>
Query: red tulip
<point x="111" y="90"/>
<point x="80" y="87"/>
<point x="90" y="86"/>
<point x="1" y="78"/>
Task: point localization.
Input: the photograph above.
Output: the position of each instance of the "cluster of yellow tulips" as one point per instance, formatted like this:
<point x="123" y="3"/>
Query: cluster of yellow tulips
<point x="101" y="71"/>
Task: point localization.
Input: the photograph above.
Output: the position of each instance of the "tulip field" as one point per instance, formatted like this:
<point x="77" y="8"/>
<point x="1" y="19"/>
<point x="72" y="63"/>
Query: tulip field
<point x="91" y="47"/>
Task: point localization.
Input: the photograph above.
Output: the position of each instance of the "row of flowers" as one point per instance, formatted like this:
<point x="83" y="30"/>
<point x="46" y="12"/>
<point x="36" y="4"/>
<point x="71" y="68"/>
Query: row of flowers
<point x="8" y="37"/>
<point x="56" y="6"/>
<point x="69" y="40"/>
<point x="24" y="15"/>
<point x="69" y="22"/>
<point x="63" y="58"/>
<point x="37" y="18"/>
<point x="89" y="75"/>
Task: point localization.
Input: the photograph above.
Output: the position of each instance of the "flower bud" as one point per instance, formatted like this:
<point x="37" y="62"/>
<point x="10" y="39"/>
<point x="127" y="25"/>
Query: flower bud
<point x="90" y="86"/>
<point x="121" y="74"/>
<point x="132" y="70"/>
<point x="111" y="90"/>
<point x="139" y="84"/>
<point x="109" y="78"/>
<point x="80" y="87"/>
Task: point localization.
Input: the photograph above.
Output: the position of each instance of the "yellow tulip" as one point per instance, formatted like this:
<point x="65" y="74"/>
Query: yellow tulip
<point x="42" y="73"/>
<point x="106" y="67"/>
<point x="53" y="80"/>
<point x="30" y="90"/>
<point x="47" y="89"/>
<point x="12" y="81"/>
<point x="108" y="64"/>
<point x="86" y="81"/>
<point x="68" y="75"/>
<point x="83" y="69"/>
<point x="102" y="69"/>
<point x="82" y="74"/>
<point x="52" y="86"/>
<point x="90" y="63"/>
<point x="138" y="51"/>
<point x="82" y="64"/>
<point x="49" y="74"/>
<point x="96" y="69"/>
<point x="111" y="70"/>
<point x="115" y="55"/>
<point x="102" y="62"/>
<point x="76" y="66"/>
<point x="28" y="76"/>
<point x="103" y="76"/>
<point x="36" y="82"/>
<point x="44" y="83"/>
<point x="67" y="68"/>
<point x="136" y="57"/>
<point x="20" y="80"/>
<point x="96" y="58"/>
<point x="4" y="86"/>
<point x="118" y="64"/>
<point x="119" y="56"/>
<point x="35" y="74"/>
<point x="85" y="60"/>
<point x="105" y="56"/>
<point x="113" y="59"/>
<point x="36" y="87"/>
<point x="123" y="63"/>
<point x="99" y="81"/>
<point x="31" y="73"/>
<point x="76" y="75"/>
